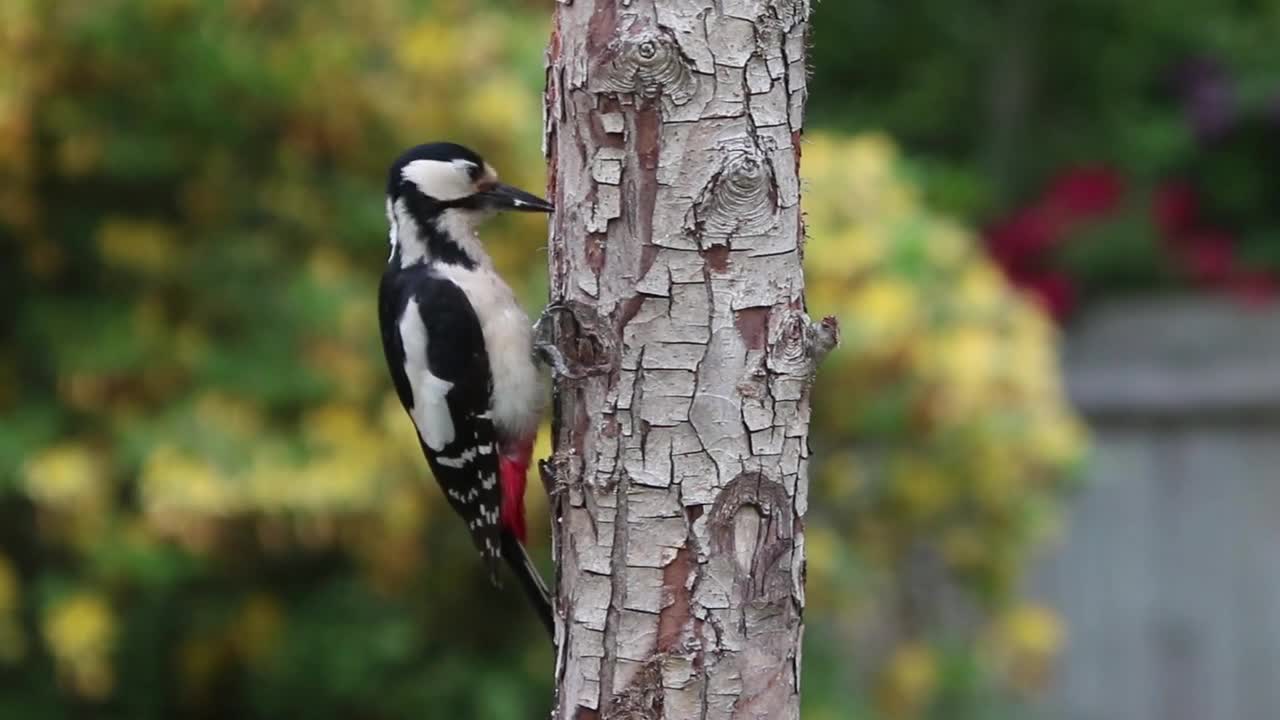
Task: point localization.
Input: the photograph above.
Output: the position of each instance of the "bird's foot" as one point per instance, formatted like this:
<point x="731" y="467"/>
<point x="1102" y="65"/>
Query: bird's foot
<point x="545" y="349"/>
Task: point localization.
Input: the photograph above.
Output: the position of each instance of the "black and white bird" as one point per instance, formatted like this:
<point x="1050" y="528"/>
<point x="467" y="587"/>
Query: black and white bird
<point x="460" y="347"/>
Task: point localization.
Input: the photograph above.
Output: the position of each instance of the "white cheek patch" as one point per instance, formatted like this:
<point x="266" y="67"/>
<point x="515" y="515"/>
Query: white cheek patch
<point x="444" y="181"/>
<point x="430" y="411"/>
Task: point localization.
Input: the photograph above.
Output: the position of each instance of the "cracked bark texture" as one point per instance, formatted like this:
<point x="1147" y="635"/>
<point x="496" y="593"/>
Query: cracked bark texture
<point x="679" y="478"/>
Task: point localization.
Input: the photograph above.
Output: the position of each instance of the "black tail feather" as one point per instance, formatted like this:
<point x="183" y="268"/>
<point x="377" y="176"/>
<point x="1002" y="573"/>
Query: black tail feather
<point x="530" y="580"/>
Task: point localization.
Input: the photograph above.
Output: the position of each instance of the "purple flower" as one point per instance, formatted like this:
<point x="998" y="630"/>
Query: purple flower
<point x="1208" y="97"/>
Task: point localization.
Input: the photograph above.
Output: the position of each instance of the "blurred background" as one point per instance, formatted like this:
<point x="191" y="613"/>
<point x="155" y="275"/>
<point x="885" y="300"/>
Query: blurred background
<point x="1044" y="470"/>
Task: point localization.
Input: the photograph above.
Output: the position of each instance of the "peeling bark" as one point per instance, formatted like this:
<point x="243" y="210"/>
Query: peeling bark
<point x="685" y="356"/>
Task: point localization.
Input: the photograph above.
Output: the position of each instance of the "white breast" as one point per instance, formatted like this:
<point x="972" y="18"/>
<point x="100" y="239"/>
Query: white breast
<point x="517" y="388"/>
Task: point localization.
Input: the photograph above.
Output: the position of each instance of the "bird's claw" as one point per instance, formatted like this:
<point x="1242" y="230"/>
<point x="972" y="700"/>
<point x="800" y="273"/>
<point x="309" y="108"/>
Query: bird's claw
<point x="545" y="349"/>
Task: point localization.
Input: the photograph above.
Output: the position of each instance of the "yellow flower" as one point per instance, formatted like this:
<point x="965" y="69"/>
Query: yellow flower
<point x="981" y="290"/>
<point x="430" y="46"/>
<point x="909" y="680"/>
<point x="882" y="308"/>
<point x="403" y="511"/>
<point x="1033" y="629"/>
<point x="920" y="486"/>
<point x="271" y="481"/>
<point x="998" y="475"/>
<point x="968" y="353"/>
<point x="66" y="476"/>
<point x="845" y="254"/>
<point x="1057" y="441"/>
<point x="334" y="425"/>
<point x="80" y="632"/>
<point x="174" y="480"/>
<point x="343" y="481"/>
<point x="964" y="358"/>
<point x="821" y="157"/>
<point x="498" y="106"/>
<point x="138" y="245"/>
<point x="948" y="244"/>
<point x="1029" y="638"/>
<point x="822" y="550"/>
<point x="872" y="156"/>
<point x="230" y="414"/>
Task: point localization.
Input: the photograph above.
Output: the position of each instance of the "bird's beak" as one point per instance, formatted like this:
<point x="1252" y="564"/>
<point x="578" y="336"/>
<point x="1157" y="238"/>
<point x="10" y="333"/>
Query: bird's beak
<point x="506" y="197"/>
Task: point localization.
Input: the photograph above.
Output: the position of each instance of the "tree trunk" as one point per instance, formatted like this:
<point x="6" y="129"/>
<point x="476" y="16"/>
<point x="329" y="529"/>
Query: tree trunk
<point x="679" y="477"/>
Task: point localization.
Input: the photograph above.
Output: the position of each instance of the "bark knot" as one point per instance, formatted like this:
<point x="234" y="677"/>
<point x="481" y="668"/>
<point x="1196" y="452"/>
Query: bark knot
<point x="644" y="61"/>
<point x="739" y="200"/>
<point x="752" y="522"/>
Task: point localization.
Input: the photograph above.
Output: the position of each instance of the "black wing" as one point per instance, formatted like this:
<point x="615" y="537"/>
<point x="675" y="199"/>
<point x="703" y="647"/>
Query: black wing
<point x="467" y="465"/>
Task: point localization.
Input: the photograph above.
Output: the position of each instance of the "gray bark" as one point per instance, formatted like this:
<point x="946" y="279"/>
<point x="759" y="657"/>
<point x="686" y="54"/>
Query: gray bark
<point x="682" y="406"/>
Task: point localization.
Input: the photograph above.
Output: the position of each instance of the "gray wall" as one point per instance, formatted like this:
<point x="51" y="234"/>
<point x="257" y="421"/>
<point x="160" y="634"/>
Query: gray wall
<point x="1169" y="578"/>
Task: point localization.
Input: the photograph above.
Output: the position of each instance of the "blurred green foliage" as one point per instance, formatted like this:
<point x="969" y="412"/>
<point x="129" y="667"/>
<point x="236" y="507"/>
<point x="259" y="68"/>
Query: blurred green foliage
<point x="211" y="504"/>
<point x="1000" y="95"/>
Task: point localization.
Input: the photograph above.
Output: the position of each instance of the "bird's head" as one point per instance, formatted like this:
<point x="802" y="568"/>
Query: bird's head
<point x="436" y="195"/>
<point x="438" y="177"/>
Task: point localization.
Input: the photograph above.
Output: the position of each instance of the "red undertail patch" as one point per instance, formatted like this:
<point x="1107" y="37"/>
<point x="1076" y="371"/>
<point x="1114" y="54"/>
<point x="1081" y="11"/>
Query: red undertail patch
<point x="513" y="468"/>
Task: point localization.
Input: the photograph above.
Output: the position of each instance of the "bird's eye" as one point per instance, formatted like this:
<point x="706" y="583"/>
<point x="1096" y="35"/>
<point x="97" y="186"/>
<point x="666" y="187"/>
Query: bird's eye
<point x="486" y="179"/>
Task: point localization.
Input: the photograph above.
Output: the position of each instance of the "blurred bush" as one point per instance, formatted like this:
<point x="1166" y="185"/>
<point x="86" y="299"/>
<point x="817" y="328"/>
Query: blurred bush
<point x="1166" y="117"/>
<point x="210" y="502"/>
<point x="943" y="445"/>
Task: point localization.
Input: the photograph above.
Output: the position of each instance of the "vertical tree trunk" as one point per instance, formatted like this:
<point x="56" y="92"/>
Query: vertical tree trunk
<point x="679" y="477"/>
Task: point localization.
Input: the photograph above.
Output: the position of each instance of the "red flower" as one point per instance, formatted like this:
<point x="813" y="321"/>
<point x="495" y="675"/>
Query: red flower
<point x="1210" y="257"/>
<point x="1024" y="243"/>
<point x="1086" y="192"/>
<point x="1023" y="237"/>
<point x="1253" y="287"/>
<point x="1174" y="209"/>
<point x="1080" y="194"/>
<point x="1054" y="291"/>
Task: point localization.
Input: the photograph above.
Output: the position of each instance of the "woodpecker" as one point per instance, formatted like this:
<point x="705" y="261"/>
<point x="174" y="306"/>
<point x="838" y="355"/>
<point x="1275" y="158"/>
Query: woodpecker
<point x="460" y="348"/>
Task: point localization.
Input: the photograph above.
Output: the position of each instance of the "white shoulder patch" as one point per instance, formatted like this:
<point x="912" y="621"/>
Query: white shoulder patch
<point x="430" y="411"/>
